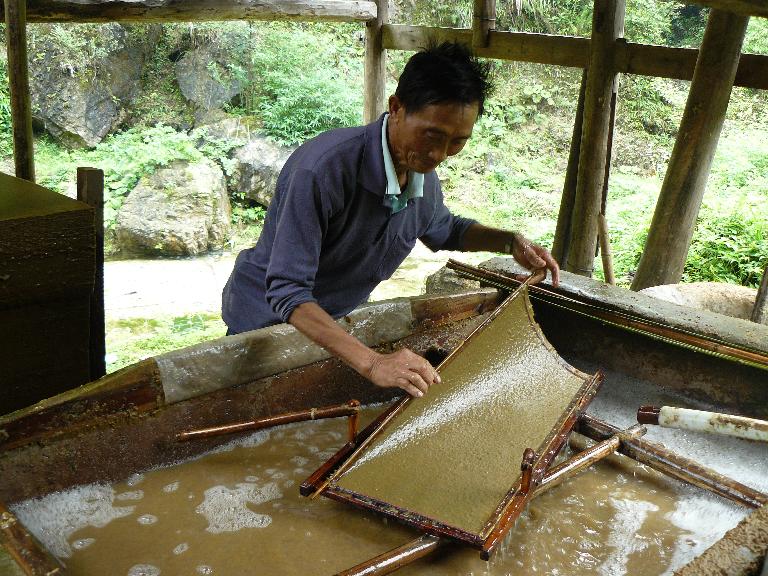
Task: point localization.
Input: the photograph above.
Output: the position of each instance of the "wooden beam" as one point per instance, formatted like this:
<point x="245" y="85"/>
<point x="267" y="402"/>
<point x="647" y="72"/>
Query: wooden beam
<point x="573" y="51"/>
<point x="18" y="77"/>
<point x="483" y="21"/>
<point x="681" y="193"/>
<point x="25" y="549"/>
<point x="90" y="189"/>
<point x="607" y="26"/>
<point x="375" y="65"/>
<point x="200" y="10"/>
<point x="521" y="46"/>
<point x="744" y="7"/>
<point x="565" y="214"/>
<point x="760" y="311"/>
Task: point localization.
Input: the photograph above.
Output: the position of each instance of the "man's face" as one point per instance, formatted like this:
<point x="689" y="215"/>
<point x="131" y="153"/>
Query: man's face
<point x="421" y="140"/>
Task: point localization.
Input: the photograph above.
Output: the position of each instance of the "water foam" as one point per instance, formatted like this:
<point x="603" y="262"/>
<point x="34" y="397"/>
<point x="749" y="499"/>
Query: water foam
<point x="55" y="517"/>
<point x="226" y="509"/>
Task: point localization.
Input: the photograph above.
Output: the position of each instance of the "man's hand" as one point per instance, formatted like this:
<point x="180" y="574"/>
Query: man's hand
<point x="534" y="257"/>
<point x="402" y="369"/>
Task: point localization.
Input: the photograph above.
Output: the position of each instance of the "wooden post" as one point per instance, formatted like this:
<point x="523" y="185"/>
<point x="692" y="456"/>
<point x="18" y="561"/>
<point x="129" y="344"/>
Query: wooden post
<point x="483" y="21"/>
<point x="565" y="215"/>
<point x="605" y="250"/>
<point x="90" y="189"/>
<point x="374" y="83"/>
<point x="681" y="193"/>
<point x="18" y="77"/>
<point x="760" y="311"/>
<point x="607" y="26"/>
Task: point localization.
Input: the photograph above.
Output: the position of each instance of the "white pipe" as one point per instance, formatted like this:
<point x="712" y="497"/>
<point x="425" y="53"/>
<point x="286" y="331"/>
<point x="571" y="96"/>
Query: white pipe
<point x="700" y="421"/>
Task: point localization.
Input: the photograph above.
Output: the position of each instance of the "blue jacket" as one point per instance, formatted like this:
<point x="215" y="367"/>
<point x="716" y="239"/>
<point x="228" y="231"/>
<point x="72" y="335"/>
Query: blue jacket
<point x="328" y="236"/>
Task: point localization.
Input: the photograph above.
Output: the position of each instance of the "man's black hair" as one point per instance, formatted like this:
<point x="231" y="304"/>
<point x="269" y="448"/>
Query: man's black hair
<point x="446" y="72"/>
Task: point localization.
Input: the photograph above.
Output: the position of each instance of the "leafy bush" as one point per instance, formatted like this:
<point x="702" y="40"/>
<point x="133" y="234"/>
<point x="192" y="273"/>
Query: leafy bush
<point x="303" y="83"/>
<point x="6" y="125"/>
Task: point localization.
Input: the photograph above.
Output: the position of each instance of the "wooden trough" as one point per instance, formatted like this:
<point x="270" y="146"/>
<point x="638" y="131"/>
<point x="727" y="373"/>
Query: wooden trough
<point x="128" y="421"/>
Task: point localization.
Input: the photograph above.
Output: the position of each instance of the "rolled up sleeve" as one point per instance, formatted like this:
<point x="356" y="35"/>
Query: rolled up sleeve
<point x="301" y="224"/>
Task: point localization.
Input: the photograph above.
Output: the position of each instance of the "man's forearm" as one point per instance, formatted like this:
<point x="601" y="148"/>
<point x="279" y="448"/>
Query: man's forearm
<point x="315" y="323"/>
<point x="479" y="238"/>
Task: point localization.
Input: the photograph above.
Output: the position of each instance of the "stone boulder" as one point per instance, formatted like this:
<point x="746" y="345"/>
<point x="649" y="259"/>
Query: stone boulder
<point x="77" y="99"/>
<point x="727" y="299"/>
<point x="204" y="78"/>
<point x="256" y="167"/>
<point x="180" y="210"/>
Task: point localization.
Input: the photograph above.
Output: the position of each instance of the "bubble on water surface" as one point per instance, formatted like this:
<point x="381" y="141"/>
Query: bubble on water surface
<point x="172" y="487"/>
<point x="146" y="519"/>
<point x="83" y="543"/>
<point x="204" y="569"/>
<point x="135" y="479"/>
<point x="181" y="548"/>
<point x="143" y="570"/>
<point x="132" y="495"/>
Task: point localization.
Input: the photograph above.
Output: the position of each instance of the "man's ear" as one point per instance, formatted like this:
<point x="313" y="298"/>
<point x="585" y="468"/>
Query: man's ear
<point x="395" y="105"/>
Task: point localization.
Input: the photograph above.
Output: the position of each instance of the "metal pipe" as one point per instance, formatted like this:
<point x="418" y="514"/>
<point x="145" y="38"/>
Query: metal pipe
<point x="703" y="421"/>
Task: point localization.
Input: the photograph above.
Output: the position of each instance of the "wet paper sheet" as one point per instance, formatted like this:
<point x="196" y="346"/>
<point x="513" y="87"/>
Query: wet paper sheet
<point x="454" y="455"/>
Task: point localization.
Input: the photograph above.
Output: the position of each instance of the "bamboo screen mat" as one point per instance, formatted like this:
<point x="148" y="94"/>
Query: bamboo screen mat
<point x="453" y="455"/>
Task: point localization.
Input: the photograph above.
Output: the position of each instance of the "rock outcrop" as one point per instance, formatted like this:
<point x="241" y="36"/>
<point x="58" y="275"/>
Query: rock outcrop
<point x="204" y="78"/>
<point x="79" y="97"/>
<point x="728" y="299"/>
<point x="180" y="210"/>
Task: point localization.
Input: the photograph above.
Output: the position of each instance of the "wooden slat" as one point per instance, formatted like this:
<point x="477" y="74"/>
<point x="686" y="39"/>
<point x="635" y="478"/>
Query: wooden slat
<point x="674" y="218"/>
<point x="573" y="51"/>
<point x="375" y="65"/>
<point x="200" y="10"/>
<point x="483" y="21"/>
<point x="18" y="77"/>
<point x="521" y="46"/>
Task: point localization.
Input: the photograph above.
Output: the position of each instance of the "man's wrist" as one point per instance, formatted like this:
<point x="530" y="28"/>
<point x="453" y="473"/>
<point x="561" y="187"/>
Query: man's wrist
<point x="509" y="245"/>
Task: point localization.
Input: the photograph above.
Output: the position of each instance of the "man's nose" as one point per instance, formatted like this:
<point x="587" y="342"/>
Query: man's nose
<point x="438" y="154"/>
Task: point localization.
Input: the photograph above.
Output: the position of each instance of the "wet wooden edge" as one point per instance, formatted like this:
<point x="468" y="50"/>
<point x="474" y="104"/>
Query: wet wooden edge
<point x="138" y="389"/>
<point x="25" y="549"/>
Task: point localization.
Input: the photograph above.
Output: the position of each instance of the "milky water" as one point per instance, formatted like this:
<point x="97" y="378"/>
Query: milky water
<point x="237" y="511"/>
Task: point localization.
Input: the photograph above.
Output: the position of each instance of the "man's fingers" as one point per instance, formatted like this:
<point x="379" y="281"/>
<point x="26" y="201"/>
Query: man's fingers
<point x="406" y="385"/>
<point x="533" y="258"/>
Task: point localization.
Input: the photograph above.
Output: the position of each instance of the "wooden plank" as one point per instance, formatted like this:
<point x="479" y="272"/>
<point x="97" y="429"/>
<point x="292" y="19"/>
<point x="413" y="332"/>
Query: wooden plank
<point x="607" y="26"/>
<point x="18" y="77"/>
<point x="760" y="311"/>
<point x="200" y="10"/>
<point x="90" y="190"/>
<point x="570" y="51"/>
<point x="375" y="65"/>
<point x="681" y="193"/>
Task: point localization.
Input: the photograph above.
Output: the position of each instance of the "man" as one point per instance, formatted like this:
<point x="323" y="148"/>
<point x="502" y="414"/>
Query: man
<point x="349" y="206"/>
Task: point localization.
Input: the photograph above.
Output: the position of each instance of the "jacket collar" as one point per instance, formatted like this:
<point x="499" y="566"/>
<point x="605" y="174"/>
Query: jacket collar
<point x="372" y="176"/>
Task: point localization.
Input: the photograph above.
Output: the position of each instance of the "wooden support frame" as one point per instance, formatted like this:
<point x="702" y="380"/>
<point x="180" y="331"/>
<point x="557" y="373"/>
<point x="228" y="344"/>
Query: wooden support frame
<point x="200" y="10"/>
<point x="674" y="219"/>
<point x="375" y="65"/>
<point x="607" y="26"/>
<point x="90" y="189"/>
<point x="18" y="77"/>
<point x="483" y="22"/>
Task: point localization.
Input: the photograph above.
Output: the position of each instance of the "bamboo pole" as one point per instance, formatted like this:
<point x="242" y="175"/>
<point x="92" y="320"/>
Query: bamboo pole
<point x="605" y="250"/>
<point x="565" y="214"/>
<point x="704" y="421"/>
<point x="483" y="21"/>
<point x="25" y="549"/>
<point x="350" y="409"/>
<point x="681" y="193"/>
<point x="760" y="311"/>
<point x="375" y="65"/>
<point x="659" y="458"/>
<point x="18" y="77"/>
<point x="90" y="189"/>
<point x="607" y="26"/>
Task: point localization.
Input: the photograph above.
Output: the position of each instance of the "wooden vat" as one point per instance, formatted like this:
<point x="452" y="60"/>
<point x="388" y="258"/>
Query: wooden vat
<point x="127" y="421"/>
